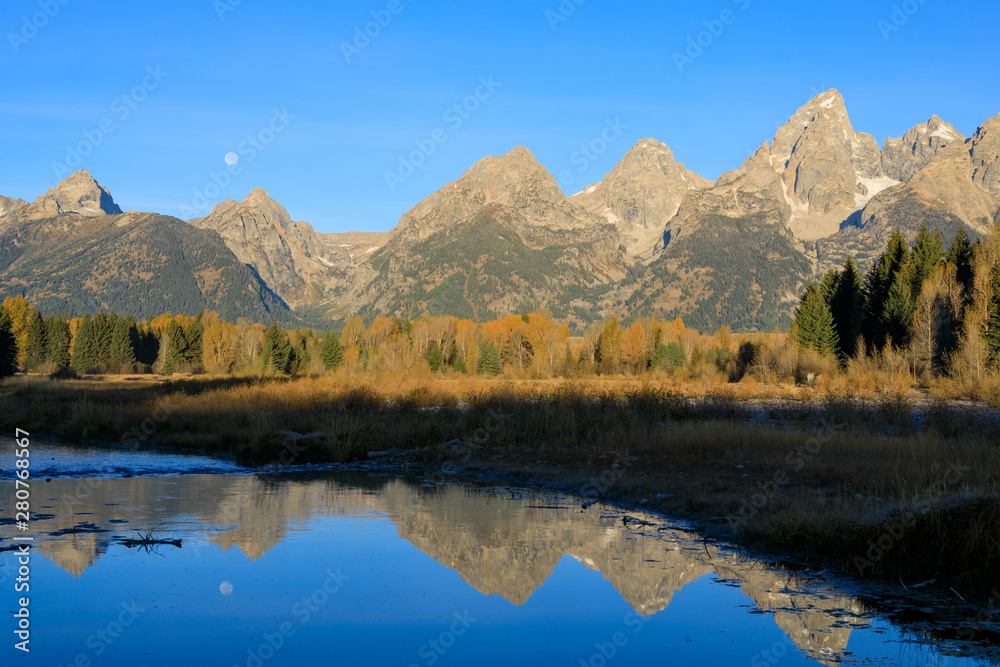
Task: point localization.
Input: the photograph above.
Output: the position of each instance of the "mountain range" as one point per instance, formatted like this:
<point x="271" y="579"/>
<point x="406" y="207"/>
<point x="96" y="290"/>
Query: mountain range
<point x="652" y="238"/>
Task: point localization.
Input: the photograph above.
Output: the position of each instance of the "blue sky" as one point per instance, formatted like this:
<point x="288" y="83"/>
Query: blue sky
<point x="157" y="93"/>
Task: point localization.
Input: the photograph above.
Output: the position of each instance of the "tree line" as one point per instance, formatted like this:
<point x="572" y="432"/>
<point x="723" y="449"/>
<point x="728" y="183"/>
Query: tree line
<point x="529" y="344"/>
<point x="938" y="306"/>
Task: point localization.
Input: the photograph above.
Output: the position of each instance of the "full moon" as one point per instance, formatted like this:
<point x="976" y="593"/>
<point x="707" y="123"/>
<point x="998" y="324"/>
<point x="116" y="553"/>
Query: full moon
<point x="226" y="588"/>
<point x="232" y="158"/>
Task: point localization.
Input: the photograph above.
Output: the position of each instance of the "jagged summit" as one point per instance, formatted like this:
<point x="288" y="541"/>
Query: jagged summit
<point x="902" y="157"/>
<point x="643" y="191"/>
<point x="78" y="193"/>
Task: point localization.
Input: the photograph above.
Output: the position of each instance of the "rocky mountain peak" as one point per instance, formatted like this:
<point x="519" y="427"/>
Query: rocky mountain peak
<point x="78" y="193"/>
<point x="904" y="156"/>
<point x="640" y="195"/>
<point x="509" y="178"/>
<point x="10" y="204"/>
<point x="985" y="155"/>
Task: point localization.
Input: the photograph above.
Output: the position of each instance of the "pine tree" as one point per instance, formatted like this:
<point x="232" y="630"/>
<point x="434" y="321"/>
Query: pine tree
<point x="847" y="307"/>
<point x="928" y="254"/>
<point x="897" y="318"/>
<point x="177" y="350"/>
<point x="960" y="254"/>
<point x="829" y="285"/>
<point x="331" y="351"/>
<point x="57" y="341"/>
<point x="813" y="327"/>
<point x="277" y="350"/>
<point x="489" y="358"/>
<point x="102" y="329"/>
<point x="34" y="345"/>
<point x="124" y="340"/>
<point x="194" y="333"/>
<point x="672" y="355"/>
<point x="992" y="336"/>
<point x="85" y="353"/>
<point x="435" y="359"/>
<point x="8" y="346"/>
<point x="458" y="363"/>
<point x="878" y="283"/>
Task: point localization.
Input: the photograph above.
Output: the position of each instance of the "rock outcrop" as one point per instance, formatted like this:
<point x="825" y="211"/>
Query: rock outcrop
<point x="904" y="156"/>
<point x="640" y="195"/>
<point x="78" y="193"/>
<point x="301" y="266"/>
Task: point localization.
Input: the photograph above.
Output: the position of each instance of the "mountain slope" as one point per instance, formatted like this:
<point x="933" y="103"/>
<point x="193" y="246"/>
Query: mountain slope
<point x="960" y="187"/>
<point x="643" y="191"/>
<point x="88" y="256"/>
<point x="300" y="265"/>
<point x="501" y="238"/>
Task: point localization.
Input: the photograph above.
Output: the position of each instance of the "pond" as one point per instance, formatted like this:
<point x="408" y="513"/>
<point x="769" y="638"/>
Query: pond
<point x="333" y="567"/>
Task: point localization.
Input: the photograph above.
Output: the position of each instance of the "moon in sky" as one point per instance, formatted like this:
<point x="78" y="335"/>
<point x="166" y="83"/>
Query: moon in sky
<point x="226" y="588"/>
<point x="232" y="158"/>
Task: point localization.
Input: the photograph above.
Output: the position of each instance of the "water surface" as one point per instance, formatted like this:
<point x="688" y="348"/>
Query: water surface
<point x="338" y="568"/>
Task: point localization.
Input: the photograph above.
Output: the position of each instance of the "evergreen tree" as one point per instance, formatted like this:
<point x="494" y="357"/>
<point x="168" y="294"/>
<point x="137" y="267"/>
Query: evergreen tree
<point x="813" y="327"/>
<point x="435" y="358"/>
<point x="960" y="254"/>
<point x="57" y="341"/>
<point x="177" y="350"/>
<point x="85" y="352"/>
<point x="847" y="307"/>
<point x="8" y="346"/>
<point x="489" y="358"/>
<point x="928" y="254"/>
<point x="457" y="362"/>
<point x="124" y="340"/>
<point x="878" y="283"/>
<point x="102" y="329"/>
<point x="331" y="351"/>
<point x="194" y="333"/>
<point x="897" y="318"/>
<point x="34" y="342"/>
<point x="277" y="350"/>
<point x="992" y="337"/>
<point x="148" y="348"/>
<point x="829" y="285"/>
<point x="672" y="355"/>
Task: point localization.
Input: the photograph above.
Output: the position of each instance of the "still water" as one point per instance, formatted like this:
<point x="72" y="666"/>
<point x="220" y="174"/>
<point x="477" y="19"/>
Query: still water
<point x="339" y="568"/>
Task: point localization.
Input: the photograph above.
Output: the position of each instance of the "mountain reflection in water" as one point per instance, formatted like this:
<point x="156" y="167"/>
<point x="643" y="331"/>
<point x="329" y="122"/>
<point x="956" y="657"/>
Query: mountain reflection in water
<point x="501" y="544"/>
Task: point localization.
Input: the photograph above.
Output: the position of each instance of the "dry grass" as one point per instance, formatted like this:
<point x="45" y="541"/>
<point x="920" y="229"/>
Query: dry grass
<point x="816" y="472"/>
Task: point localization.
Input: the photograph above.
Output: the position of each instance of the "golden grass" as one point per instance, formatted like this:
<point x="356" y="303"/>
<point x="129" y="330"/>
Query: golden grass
<point x="819" y="472"/>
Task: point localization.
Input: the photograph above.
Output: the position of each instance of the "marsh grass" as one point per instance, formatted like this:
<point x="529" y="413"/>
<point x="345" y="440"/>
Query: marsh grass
<point x="820" y="474"/>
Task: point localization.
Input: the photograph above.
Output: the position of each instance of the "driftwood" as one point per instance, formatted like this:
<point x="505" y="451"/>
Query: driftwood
<point x="148" y="542"/>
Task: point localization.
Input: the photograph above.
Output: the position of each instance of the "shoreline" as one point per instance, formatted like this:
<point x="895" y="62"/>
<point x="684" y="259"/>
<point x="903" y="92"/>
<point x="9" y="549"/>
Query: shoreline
<point x="899" y="490"/>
